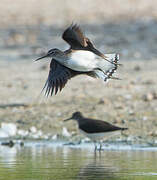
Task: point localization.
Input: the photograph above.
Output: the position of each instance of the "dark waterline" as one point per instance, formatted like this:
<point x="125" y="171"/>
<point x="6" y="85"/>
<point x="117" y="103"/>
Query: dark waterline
<point x="56" y="162"/>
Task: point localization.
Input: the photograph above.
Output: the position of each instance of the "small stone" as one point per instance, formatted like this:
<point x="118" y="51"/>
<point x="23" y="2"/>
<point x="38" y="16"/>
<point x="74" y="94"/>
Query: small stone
<point x="10" y="143"/>
<point x="54" y="137"/>
<point x="103" y="101"/>
<point x="131" y="112"/>
<point x="22" y="132"/>
<point x="3" y="134"/>
<point x="65" y="132"/>
<point x="148" y="97"/>
<point x="39" y="133"/>
<point x="153" y="133"/>
<point x="145" y="118"/>
<point x="137" y="68"/>
<point x="9" y="128"/>
<point x="33" y="129"/>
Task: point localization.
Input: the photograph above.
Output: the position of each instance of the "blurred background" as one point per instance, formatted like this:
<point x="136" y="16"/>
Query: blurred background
<point x="30" y="28"/>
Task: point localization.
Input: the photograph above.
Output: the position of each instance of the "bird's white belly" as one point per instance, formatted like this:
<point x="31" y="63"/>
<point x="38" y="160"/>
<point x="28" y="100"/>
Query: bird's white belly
<point x="82" y="61"/>
<point x="99" y="136"/>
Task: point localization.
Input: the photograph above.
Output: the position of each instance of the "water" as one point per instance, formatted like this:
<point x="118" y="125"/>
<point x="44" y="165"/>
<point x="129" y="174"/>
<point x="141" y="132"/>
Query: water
<point x="47" y="161"/>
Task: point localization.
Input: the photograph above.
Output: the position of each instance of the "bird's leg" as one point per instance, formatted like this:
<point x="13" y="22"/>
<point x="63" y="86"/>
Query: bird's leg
<point x="111" y="77"/>
<point x="95" y="145"/>
<point x="100" y="148"/>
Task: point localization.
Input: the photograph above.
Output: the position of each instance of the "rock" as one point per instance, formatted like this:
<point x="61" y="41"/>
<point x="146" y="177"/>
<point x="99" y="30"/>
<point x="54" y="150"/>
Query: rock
<point x="103" y="101"/>
<point x="22" y="132"/>
<point x="55" y="137"/>
<point x="8" y="129"/>
<point x="137" y="68"/>
<point x="153" y="133"/>
<point x="65" y="132"/>
<point x="145" y="118"/>
<point x="21" y="143"/>
<point x="148" y="97"/>
<point x="3" y="134"/>
<point x="131" y="112"/>
<point x="33" y="129"/>
<point x="10" y="143"/>
<point x="37" y="135"/>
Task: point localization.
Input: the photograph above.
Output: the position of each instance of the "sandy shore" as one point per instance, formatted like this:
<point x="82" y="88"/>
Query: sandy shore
<point x="130" y="102"/>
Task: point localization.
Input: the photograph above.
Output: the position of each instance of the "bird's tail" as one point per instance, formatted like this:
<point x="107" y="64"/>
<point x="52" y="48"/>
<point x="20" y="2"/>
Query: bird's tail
<point x="107" y="68"/>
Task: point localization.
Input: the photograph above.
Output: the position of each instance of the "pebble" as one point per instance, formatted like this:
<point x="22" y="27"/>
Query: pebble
<point x="55" y="137"/>
<point x="22" y="133"/>
<point x="153" y="133"/>
<point x="65" y="132"/>
<point x="33" y="129"/>
<point x="10" y="143"/>
<point x="3" y="134"/>
<point x="149" y="96"/>
<point x="8" y="129"/>
<point x="137" y="68"/>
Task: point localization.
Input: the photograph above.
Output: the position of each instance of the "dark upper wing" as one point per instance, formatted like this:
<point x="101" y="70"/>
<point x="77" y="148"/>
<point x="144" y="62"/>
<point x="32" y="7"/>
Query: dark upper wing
<point x="98" y="126"/>
<point x="76" y="39"/>
<point x="57" y="78"/>
<point x="74" y="36"/>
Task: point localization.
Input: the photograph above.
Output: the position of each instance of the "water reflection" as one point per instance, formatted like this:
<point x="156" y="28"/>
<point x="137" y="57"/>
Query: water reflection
<point x="97" y="169"/>
<point x="50" y="161"/>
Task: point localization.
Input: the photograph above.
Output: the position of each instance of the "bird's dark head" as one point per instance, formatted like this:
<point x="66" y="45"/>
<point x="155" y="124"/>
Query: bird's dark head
<point x="52" y="53"/>
<point x="75" y="116"/>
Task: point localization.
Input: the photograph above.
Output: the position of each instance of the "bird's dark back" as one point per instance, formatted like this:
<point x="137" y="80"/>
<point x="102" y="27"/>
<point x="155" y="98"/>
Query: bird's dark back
<point x="97" y="126"/>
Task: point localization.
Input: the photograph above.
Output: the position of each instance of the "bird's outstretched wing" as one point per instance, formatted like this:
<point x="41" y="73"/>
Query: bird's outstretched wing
<point x="58" y="77"/>
<point x="98" y="126"/>
<point x="74" y="37"/>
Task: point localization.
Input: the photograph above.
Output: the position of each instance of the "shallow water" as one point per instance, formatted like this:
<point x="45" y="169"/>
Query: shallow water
<point x="48" y="161"/>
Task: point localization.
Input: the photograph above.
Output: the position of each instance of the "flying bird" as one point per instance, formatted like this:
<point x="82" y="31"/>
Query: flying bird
<point x="95" y="129"/>
<point x="81" y="58"/>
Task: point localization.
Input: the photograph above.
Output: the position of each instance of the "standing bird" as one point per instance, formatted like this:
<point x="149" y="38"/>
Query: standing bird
<point x="94" y="129"/>
<point x="81" y="58"/>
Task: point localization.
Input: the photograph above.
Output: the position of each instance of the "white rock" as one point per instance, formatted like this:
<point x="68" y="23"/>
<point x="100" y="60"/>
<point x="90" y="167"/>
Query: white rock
<point x="33" y="129"/>
<point x="145" y="118"/>
<point x="54" y="137"/>
<point x="9" y="128"/>
<point x="3" y="134"/>
<point x="22" y="132"/>
<point x="39" y="133"/>
<point x="65" y="132"/>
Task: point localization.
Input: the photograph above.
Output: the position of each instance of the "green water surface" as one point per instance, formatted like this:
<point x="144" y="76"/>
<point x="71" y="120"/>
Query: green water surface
<point x="58" y="162"/>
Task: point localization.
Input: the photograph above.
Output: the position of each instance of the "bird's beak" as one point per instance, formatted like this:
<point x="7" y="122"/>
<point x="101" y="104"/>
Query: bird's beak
<point x="42" y="57"/>
<point x="68" y="119"/>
